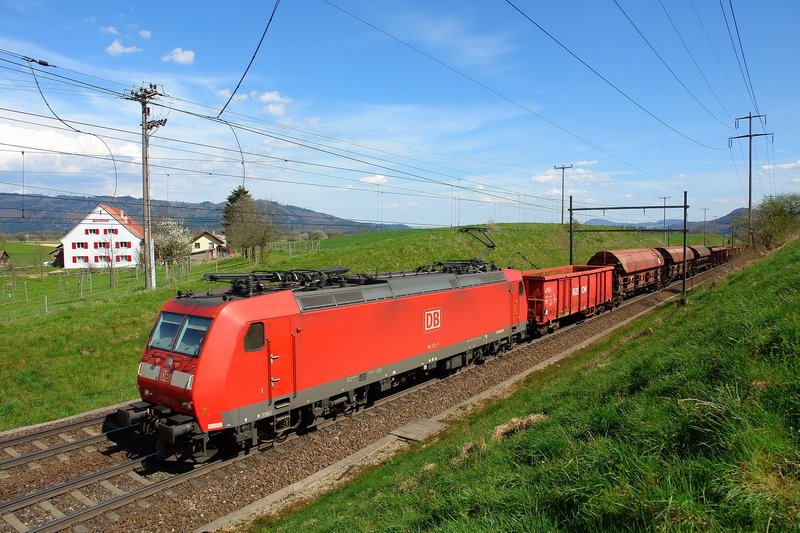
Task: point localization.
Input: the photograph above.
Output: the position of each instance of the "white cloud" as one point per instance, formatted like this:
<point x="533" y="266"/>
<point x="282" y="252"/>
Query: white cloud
<point x="586" y="163"/>
<point x="226" y="93"/>
<point x="276" y="104"/>
<point x="145" y="34"/>
<point x="376" y="179"/>
<point x="723" y="201"/>
<point x="180" y="56"/>
<point x="465" y="43"/>
<point x="109" y="29"/>
<point x="116" y="48"/>
<point x="782" y="166"/>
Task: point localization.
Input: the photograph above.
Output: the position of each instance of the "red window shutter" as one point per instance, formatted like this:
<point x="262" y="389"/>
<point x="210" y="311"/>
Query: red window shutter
<point x="73" y="247"/>
<point x="74" y="259"/>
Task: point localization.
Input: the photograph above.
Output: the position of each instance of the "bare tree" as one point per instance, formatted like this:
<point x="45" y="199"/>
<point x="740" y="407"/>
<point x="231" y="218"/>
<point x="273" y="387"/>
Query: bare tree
<point x="247" y="226"/>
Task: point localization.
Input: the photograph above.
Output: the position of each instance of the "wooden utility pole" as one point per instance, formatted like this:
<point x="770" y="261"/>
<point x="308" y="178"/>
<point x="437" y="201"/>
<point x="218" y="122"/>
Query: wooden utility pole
<point x="750" y="135"/>
<point x="562" y="167"/>
<point x="143" y="96"/>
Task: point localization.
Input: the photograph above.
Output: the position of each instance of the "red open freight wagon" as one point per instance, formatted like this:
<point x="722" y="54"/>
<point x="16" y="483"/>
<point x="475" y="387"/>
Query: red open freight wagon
<point x="559" y="292"/>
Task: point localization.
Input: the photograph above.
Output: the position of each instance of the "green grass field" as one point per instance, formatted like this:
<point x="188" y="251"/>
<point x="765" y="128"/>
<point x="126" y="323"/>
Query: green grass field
<point x="83" y="352"/>
<point x="27" y="254"/>
<point x="688" y="420"/>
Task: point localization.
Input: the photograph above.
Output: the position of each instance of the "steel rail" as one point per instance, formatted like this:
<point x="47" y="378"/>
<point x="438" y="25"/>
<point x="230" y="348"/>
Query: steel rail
<point x="101" y="508"/>
<point x="69" y="485"/>
<point x="61" y="448"/>
<point x="21" y="439"/>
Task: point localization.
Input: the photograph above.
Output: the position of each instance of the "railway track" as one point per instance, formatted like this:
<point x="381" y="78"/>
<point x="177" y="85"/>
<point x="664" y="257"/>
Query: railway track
<point x="43" y="450"/>
<point x="66" y="504"/>
<point x="92" y="498"/>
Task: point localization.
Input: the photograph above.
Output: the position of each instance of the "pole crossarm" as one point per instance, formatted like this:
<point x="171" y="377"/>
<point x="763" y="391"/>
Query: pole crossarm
<point x="684" y="206"/>
<point x="678" y="206"/>
<point x="627" y="229"/>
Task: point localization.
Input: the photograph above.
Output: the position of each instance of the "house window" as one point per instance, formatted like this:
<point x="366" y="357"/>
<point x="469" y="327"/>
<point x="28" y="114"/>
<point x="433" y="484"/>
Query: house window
<point x="83" y="245"/>
<point x="92" y="231"/>
<point x="197" y="245"/>
<point x="110" y="231"/>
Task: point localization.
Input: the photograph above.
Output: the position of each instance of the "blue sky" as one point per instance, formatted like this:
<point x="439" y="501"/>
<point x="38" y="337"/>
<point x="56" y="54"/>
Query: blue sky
<point x="423" y="113"/>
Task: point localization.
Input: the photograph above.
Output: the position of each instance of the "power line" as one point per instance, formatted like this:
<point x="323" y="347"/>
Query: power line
<point x="663" y="62"/>
<point x="608" y="82"/>
<point x="689" y="51"/>
<point x="501" y="95"/>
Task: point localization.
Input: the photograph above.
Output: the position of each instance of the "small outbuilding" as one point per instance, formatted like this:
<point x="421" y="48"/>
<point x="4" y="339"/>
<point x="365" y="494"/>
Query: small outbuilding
<point x="4" y="257"/>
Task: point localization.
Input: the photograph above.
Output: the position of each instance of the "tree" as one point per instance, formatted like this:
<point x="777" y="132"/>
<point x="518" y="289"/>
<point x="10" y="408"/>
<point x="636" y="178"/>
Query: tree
<point x="172" y="239"/>
<point x="775" y="219"/>
<point x="230" y="211"/>
<point x="246" y="226"/>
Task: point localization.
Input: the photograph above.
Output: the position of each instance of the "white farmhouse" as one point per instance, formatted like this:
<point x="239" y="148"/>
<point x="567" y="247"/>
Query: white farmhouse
<point x="106" y="237"/>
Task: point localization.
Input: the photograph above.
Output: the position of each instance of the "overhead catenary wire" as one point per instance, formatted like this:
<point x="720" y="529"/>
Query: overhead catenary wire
<point x="47" y="103"/>
<point x="250" y="64"/>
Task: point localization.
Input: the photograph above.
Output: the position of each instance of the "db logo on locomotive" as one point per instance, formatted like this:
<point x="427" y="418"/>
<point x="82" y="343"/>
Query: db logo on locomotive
<point x="433" y="319"/>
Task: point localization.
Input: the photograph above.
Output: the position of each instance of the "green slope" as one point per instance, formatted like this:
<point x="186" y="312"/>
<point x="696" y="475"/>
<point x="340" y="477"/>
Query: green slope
<point x="686" y="420"/>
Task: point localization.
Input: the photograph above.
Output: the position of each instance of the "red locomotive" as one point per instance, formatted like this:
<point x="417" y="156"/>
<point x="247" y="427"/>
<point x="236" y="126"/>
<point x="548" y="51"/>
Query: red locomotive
<point x="283" y="348"/>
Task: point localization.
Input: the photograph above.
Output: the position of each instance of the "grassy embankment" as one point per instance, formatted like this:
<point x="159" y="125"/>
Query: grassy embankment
<point x="83" y="353"/>
<point x="686" y="420"/>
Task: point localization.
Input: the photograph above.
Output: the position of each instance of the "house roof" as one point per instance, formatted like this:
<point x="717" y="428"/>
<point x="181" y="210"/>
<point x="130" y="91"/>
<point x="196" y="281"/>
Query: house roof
<point x="3" y="253"/>
<point x="126" y="220"/>
<point x="210" y="235"/>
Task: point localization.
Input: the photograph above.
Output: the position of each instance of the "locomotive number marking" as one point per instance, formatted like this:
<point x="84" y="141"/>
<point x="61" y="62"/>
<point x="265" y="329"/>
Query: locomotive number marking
<point x="164" y="375"/>
<point x="433" y="319"/>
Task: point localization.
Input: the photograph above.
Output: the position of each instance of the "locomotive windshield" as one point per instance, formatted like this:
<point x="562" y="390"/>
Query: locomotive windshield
<point x="179" y="333"/>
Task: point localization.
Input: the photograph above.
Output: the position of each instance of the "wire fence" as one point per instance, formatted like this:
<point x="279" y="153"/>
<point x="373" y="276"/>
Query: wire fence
<point x="36" y="290"/>
<point x="24" y="293"/>
<point x="294" y="248"/>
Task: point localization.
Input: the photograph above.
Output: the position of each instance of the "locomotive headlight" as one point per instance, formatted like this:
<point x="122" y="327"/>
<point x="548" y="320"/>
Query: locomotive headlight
<point x="146" y="392"/>
<point x="187" y="404"/>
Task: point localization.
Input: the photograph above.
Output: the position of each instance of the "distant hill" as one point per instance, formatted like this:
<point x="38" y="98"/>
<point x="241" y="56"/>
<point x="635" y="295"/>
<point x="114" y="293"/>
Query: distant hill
<point x="720" y="225"/>
<point x="58" y="214"/>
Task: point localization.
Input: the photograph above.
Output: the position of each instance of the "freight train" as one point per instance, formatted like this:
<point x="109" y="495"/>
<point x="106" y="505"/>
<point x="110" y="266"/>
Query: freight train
<point x="279" y="350"/>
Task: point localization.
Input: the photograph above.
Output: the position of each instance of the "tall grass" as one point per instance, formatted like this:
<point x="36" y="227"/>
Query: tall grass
<point x="687" y="420"/>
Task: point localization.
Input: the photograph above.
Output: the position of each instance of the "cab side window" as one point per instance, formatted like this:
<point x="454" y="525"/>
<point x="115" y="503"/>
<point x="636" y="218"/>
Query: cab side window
<point x="254" y="338"/>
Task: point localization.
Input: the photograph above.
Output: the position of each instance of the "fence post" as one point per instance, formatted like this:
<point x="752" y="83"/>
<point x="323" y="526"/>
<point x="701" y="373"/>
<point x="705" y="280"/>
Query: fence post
<point x="45" y="304"/>
<point x="26" y="292"/>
